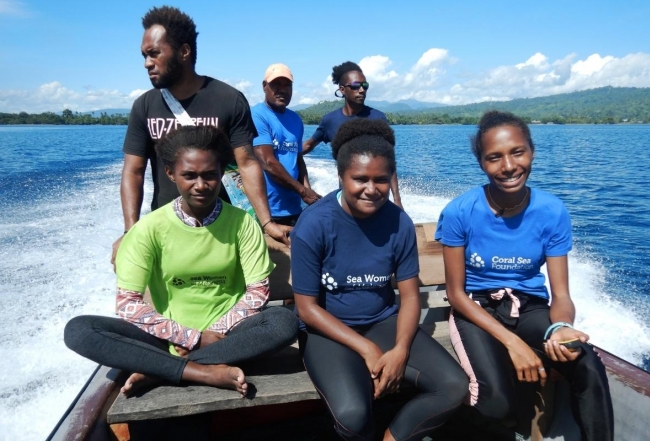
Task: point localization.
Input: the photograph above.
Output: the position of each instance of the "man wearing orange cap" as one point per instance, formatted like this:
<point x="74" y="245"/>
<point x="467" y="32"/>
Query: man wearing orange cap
<point x="278" y="147"/>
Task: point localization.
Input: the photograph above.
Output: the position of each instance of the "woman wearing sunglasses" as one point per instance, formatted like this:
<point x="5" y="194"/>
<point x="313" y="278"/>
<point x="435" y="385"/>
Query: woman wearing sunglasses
<point x="353" y="86"/>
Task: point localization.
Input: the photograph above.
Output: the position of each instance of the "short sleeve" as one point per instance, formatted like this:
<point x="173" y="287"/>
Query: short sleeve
<point x="319" y="134"/>
<point x="242" y="129"/>
<point x="135" y="259"/>
<point x="561" y="239"/>
<point x="253" y="253"/>
<point x="406" y="254"/>
<point x="306" y="262"/>
<point x="450" y="230"/>
<point x="137" y="139"/>
<point x="381" y="116"/>
<point x="263" y="129"/>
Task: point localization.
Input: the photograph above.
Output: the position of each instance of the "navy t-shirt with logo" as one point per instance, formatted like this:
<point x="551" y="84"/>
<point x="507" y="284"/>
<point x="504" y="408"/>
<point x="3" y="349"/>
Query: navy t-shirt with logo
<point x="348" y="262"/>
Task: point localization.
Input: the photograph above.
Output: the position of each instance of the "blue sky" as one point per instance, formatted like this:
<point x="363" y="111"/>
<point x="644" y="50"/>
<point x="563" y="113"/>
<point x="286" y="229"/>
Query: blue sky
<point x="85" y="55"/>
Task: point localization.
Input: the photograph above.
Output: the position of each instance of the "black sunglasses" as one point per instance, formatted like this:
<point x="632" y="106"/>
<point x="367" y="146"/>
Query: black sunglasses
<point x="358" y="85"/>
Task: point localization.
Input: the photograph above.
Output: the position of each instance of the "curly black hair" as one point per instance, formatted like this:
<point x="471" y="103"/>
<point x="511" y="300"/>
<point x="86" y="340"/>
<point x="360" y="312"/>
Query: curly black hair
<point x="363" y="137"/>
<point x="342" y="69"/>
<point x="179" y="26"/>
<point x="207" y="138"/>
<point x="493" y="119"/>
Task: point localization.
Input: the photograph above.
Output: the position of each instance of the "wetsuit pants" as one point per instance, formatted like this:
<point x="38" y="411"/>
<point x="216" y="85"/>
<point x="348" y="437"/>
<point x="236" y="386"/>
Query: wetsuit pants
<point x="117" y="343"/>
<point x="492" y="376"/>
<point x="343" y="381"/>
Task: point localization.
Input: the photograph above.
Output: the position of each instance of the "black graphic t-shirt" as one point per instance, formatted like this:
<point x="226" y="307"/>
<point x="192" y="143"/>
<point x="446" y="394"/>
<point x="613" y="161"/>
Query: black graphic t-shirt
<point x="215" y="104"/>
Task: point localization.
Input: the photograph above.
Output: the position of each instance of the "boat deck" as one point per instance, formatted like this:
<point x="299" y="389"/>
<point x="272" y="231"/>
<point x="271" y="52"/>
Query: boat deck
<point x="283" y="404"/>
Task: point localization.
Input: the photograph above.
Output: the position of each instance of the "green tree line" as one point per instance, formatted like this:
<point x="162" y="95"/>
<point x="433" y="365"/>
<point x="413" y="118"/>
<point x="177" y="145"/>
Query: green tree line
<point x="67" y="117"/>
<point x="605" y="105"/>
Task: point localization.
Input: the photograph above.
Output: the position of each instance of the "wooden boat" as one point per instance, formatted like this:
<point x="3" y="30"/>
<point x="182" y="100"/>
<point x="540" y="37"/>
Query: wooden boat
<point x="284" y="405"/>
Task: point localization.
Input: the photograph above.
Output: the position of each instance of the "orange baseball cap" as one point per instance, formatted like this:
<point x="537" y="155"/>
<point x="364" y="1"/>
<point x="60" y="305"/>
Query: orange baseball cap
<point x="277" y="70"/>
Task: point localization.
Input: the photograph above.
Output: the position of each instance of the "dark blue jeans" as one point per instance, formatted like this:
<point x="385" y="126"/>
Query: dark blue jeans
<point x="119" y="344"/>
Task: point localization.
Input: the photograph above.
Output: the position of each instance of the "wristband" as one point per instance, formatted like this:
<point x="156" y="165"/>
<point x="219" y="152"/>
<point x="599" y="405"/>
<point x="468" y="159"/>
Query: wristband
<point x="266" y="223"/>
<point x="554" y="327"/>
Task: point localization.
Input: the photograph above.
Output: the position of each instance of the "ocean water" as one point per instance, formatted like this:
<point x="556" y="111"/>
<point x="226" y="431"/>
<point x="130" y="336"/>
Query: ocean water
<point x="60" y="212"/>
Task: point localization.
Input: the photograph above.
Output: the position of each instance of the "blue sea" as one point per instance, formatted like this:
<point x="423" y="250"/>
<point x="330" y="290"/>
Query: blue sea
<point x="60" y="212"/>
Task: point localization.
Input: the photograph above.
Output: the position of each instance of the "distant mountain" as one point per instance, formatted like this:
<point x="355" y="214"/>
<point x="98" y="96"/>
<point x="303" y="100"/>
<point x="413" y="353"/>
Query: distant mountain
<point x="300" y="107"/>
<point x="605" y="105"/>
<point x="418" y="105"/>
<point x="601" y="105"/>
<point x="385" y="106"/>
<point x="615" y="102"/>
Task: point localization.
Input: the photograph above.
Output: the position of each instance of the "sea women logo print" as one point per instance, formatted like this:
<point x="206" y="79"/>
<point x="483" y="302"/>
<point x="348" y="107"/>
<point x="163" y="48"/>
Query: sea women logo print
<point x="329" y="282"/>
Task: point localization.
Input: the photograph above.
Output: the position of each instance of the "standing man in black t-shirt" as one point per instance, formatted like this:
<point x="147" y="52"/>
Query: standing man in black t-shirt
<point x="169" y="51"/>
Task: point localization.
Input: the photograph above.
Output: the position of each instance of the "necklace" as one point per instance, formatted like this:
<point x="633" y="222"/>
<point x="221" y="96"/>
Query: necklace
<point x="500" y="210"/>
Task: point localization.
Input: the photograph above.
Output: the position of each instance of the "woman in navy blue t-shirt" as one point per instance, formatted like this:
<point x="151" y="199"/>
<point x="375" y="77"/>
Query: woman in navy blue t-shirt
<point x="496" y="239"/>
<point x="357" y="345"/>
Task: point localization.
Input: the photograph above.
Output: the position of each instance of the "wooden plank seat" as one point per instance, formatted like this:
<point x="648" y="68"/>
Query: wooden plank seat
<point x="276" y="379"/>
<point x="281" y="378"/>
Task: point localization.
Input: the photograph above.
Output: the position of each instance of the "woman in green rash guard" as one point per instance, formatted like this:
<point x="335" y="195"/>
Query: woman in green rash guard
<point x="206" y="265"/>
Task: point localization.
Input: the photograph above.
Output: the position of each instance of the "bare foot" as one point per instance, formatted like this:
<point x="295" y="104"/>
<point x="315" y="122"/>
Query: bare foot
<point x="137" y="381"/>
<point x="230" y="377"/>
<point x="218" y="375"/>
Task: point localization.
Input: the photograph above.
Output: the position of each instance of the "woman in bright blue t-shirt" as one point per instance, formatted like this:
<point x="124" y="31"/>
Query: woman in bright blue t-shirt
<point x="356" y="344"/>
<point x="496" y="239"/>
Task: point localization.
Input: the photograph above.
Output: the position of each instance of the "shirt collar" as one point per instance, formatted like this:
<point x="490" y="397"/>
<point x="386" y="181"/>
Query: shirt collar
<point x="193" y="222"/>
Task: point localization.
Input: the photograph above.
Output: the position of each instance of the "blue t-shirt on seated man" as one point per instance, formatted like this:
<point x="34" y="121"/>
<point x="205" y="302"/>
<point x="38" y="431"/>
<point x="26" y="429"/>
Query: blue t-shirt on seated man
<point x="278" y="147"/>
<point x="284" y="132"/>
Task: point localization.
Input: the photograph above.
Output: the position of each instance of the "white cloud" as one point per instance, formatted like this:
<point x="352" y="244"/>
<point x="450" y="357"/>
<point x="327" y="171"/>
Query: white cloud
<point x="376" y="67"/>
<point x="431" y="78"/>
<point x="538" y="61"/>
<point x="537" y="77"/>
<point x="56" y="97"/>
<point x="244" y="86"/>
<point x="591" y="65"/>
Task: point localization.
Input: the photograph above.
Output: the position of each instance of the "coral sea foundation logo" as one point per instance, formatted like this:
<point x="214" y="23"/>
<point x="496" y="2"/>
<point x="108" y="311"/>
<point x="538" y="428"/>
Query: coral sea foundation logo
<point x="476" y="261"/>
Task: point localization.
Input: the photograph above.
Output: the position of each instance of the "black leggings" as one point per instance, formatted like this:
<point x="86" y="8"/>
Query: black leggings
<point x="117" y="343"/>
<point x="343" y="381"/>
<point x="492" y="379"/>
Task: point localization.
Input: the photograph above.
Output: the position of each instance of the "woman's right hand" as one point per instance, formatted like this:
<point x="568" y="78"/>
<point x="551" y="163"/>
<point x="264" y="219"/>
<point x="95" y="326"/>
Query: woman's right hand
<point x="206" y="339"/>
<point x="528" y="365"/>
<point x="209" y="337"/>
<point x="371" y="356"/>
